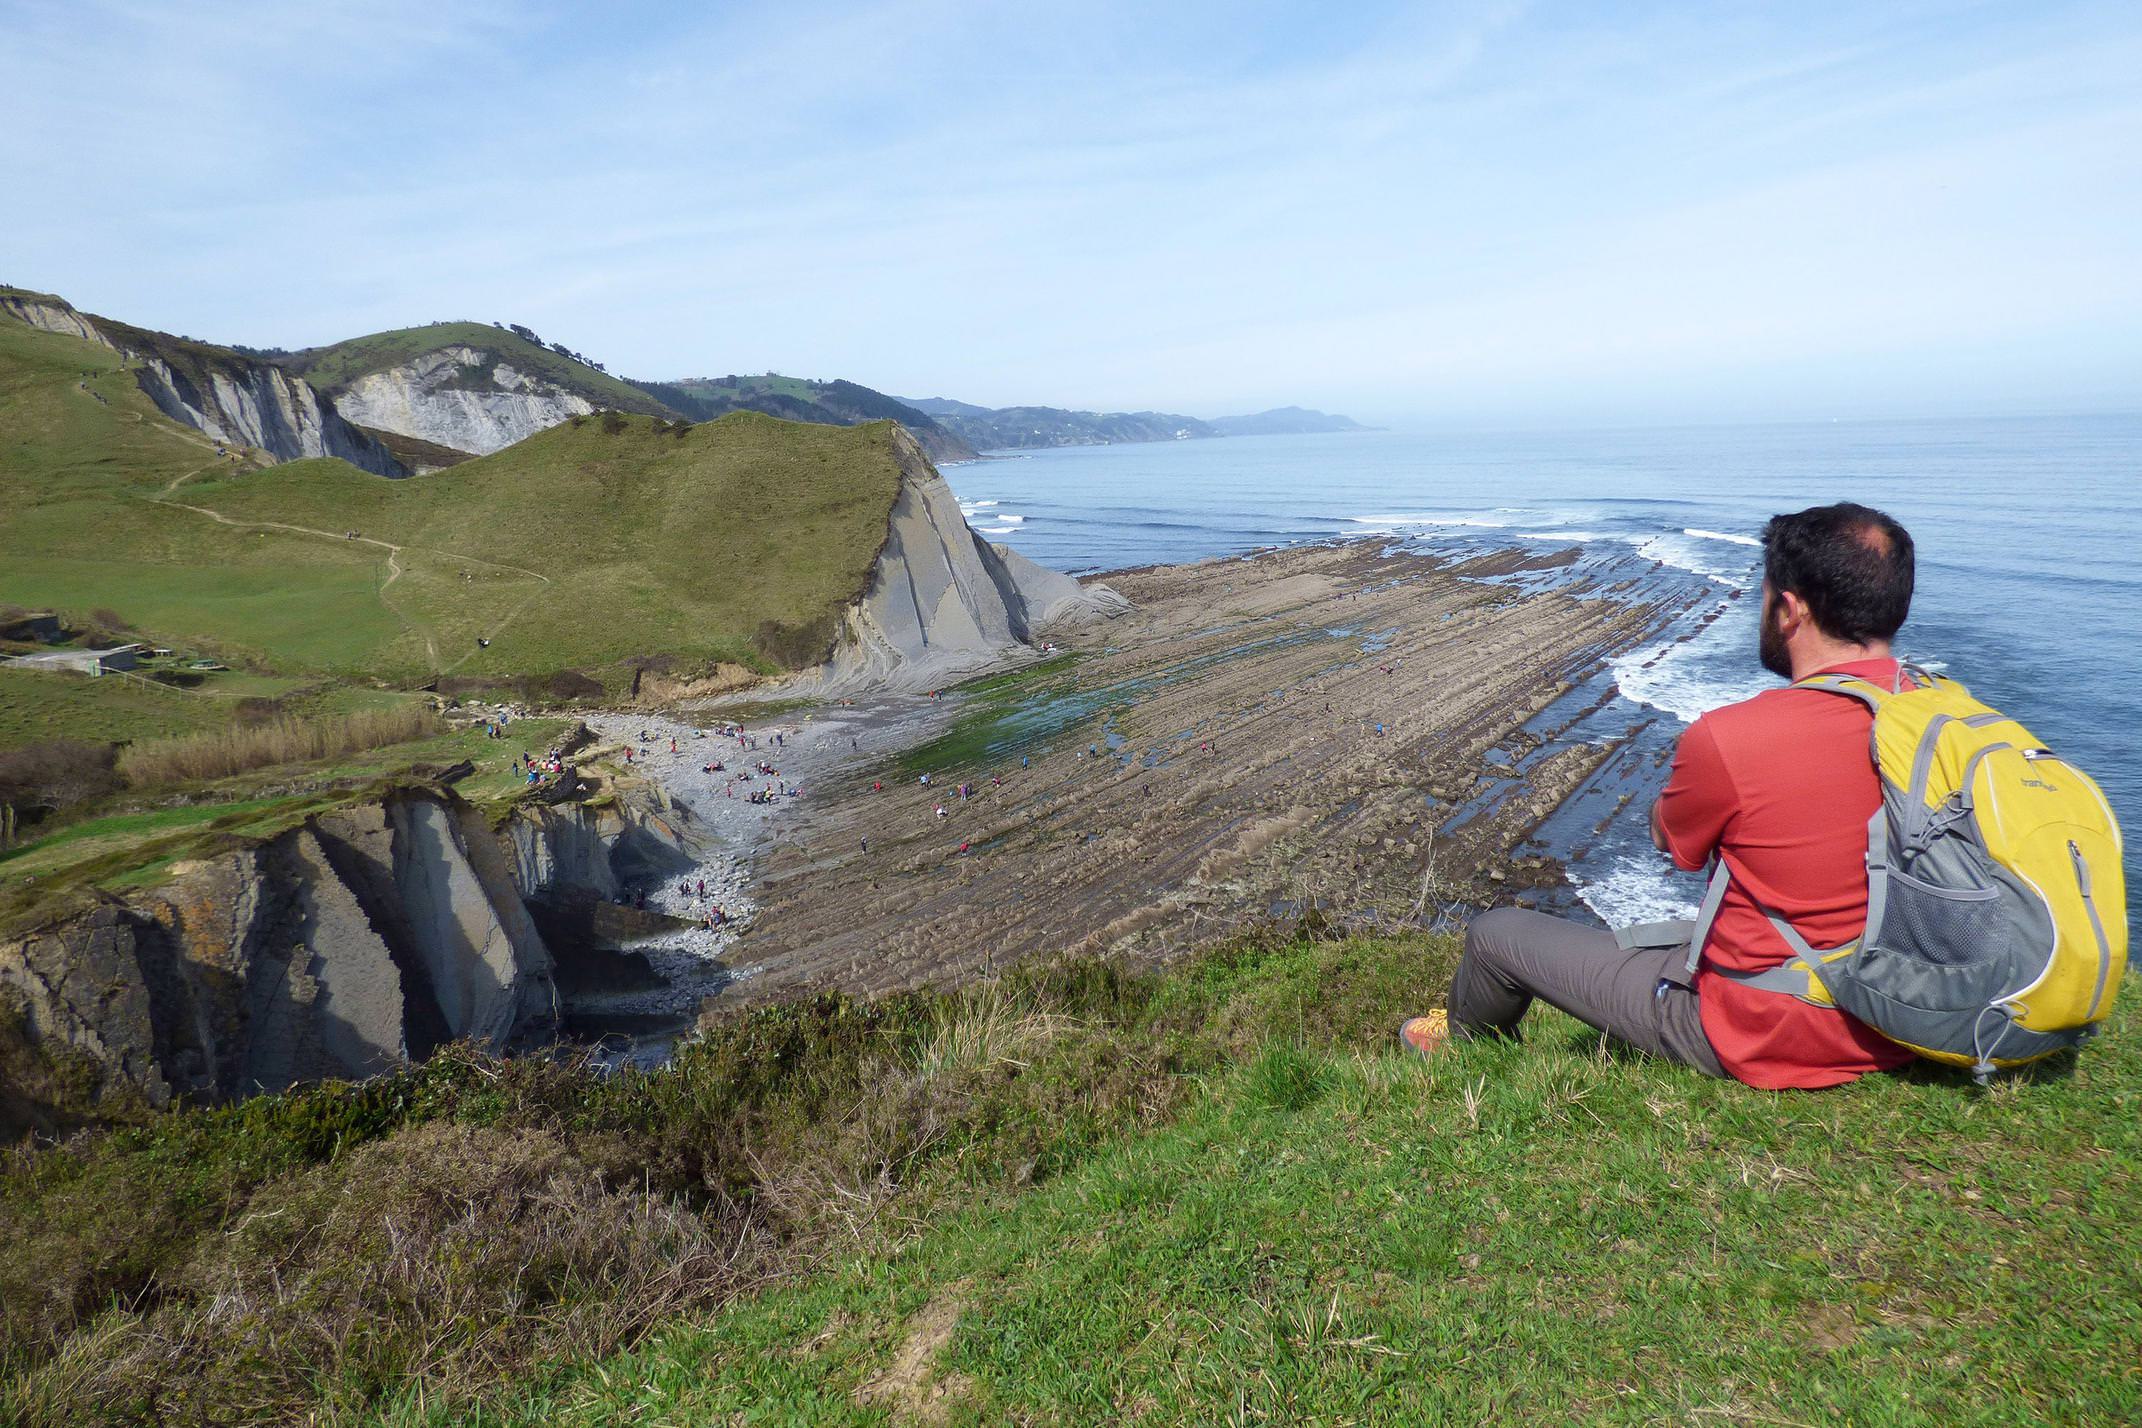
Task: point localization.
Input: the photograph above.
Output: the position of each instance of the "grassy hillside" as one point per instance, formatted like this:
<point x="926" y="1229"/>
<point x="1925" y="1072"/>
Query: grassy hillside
<point x="584" y="545"/>
<point x="839" y="403"/>
<point x="82" y="459"/>
<point x="333" y="368"/>
<point x="603" y="538"/>
<point x="1084" y="1196"/>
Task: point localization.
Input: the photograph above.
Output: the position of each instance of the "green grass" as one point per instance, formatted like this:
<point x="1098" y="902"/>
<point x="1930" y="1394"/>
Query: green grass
<point x="1218" y="1195"/>
<point x="95" y="837"/>
<point x="1002" y="714"/>
<point x="82" y="532"/>
<point x="137" y="847"/>
<point x="1345" y="1235"/>
<point x="35" y="707"/>
<point x="333" y="368"/>
<point x="650" y="539"/>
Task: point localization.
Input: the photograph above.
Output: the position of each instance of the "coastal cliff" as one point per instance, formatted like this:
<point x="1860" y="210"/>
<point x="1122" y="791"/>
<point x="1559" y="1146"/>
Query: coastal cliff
<point x="48" y="314"/>
<point x="943" y="603"/>
<point x="254" y="404"/>
<point x="224" y="394"/>
<point x="463" y="397"/>
<point x="360" y="940"/>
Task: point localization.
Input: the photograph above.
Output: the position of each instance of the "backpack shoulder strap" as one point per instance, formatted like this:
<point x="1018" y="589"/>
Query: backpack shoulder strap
<point x="1866" y="691"/>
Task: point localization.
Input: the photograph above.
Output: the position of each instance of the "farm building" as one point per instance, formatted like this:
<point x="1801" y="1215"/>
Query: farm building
<point x="43" y="627"/>
<point x="89" y="662"/>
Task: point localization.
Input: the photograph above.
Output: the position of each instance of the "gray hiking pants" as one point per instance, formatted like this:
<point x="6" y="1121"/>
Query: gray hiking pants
<point x="1514" y="954"/>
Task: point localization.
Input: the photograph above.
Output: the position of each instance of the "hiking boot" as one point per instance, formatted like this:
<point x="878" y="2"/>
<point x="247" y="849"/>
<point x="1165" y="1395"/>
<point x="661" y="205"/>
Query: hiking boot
<point x="1424" y="1035"/>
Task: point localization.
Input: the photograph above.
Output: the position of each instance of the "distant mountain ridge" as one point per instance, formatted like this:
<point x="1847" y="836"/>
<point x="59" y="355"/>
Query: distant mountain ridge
<point x="1029" y="428"/>
<point x="1286" y="421"/>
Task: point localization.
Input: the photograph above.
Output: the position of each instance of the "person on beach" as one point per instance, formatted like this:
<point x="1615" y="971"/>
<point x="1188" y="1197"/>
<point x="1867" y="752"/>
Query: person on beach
<point x="1780" y="788"/>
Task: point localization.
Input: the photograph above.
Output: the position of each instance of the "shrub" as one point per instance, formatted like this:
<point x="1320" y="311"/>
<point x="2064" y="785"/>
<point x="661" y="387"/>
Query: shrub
<point x="564" y="684"/>
<point x="38" y="780"/>
<point x="282" y="740"/>
<point x="799" y="645"/>
<point x="463" y="1221"/>
<point x="571" y="684"/>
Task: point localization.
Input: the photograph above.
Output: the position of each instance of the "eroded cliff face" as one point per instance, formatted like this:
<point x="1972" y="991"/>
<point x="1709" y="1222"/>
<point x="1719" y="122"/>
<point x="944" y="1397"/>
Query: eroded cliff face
<point x="222" y="393"/>
<point x="362" y="939"/>
<point x="462" y="397"/>
<point x="259" y="405"/>
<point x="943" y="603"/>
<point x="48" y="316"/>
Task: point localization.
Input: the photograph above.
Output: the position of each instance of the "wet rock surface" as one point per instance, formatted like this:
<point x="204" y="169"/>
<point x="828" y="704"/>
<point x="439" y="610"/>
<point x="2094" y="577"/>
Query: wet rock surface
<point x="1255" y="738"/>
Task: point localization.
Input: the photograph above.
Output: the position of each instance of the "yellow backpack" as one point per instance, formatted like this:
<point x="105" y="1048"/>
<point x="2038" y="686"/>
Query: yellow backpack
<point x="1996" y="902"/>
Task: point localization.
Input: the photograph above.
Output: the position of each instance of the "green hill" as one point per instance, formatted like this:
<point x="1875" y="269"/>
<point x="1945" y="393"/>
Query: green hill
<point x="334" y="368"/>
<point x="599" y="539"/>
<point x="606" y="537"/>
<point x="840" y="403"/>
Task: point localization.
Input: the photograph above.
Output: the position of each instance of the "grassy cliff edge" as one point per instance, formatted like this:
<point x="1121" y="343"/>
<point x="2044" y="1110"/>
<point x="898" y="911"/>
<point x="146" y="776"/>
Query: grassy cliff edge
<point x="1082" y="1194"/>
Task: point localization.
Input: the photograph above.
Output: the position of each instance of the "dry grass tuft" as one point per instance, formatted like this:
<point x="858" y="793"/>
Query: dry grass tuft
<point x="986" y="1024"/>
<point x="224" y="752"/>
<point x="442" y="1257"/>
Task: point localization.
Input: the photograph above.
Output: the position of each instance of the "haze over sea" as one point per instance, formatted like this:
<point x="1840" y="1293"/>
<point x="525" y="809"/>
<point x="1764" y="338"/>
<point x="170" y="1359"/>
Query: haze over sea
<point x="2029" y="536"/>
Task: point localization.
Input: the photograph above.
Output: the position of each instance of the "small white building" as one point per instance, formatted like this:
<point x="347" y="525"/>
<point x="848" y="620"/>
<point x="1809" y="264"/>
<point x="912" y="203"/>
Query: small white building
<point x="89" y="662"/>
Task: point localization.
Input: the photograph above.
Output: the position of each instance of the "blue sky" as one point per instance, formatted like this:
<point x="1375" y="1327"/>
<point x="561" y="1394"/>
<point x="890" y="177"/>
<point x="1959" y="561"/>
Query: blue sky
<point x="1472" y="214"/>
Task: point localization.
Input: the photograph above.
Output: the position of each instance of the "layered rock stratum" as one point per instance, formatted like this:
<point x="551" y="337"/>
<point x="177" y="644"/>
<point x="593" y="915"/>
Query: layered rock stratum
<point x="942" y="603"/>
<point x="219" y="392"/>
<point x="363" y="938"/>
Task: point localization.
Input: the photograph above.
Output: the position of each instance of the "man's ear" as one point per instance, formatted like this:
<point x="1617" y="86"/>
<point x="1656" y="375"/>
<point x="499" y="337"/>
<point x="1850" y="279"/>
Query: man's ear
<point x="1792" y="613"/>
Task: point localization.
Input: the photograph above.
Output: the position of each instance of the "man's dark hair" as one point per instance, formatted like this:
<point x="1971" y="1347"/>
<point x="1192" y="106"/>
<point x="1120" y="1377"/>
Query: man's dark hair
<point x="1851" y="564"/>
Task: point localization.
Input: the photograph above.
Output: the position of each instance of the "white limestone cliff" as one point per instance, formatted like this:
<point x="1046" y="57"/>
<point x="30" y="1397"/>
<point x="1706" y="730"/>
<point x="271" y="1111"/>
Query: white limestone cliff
<point x="261" y="406"/>
<point x="231" y="397"/>
<point x="460" y="396"/>
<point x="48" y="316"/>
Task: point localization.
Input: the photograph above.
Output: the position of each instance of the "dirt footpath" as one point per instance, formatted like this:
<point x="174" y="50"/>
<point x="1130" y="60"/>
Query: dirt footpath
<point x="1305" y="727"/>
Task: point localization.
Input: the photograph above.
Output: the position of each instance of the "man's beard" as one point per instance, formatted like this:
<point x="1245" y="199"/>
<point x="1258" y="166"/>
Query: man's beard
<point x="1770" y="643"/>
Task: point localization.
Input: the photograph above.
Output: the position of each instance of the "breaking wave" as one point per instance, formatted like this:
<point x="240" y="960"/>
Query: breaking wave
<point x="1637" y="890"/>
<point x="1722" y="535"/>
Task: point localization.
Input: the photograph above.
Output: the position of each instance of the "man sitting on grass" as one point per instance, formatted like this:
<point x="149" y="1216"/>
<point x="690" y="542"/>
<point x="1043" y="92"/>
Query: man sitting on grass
<point x="1780" y="787"/>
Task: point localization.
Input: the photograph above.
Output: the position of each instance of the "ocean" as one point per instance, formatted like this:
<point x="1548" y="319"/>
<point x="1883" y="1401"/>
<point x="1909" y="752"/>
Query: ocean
<point x="2028" y="530"/>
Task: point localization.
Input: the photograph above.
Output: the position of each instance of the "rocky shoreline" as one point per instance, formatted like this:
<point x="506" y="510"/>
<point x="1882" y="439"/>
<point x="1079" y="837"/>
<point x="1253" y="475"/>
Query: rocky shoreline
<point x="1328" y="728"/>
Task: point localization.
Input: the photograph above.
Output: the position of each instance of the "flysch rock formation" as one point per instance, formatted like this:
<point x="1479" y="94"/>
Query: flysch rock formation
<point x="232" y="398"/>
<point x="350" y="945"/>
<point x="50" y="317"/>
<point x="361" y="940"/>
<point x="459" y="396"/>
<point x="943" y="603"/>
<point x="260" y="405"/>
